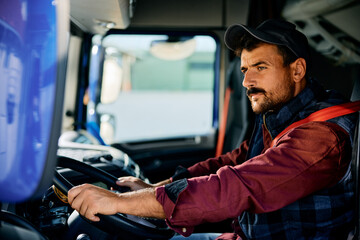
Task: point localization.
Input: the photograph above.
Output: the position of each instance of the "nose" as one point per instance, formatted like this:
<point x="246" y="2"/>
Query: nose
<point x="249" y="80"/>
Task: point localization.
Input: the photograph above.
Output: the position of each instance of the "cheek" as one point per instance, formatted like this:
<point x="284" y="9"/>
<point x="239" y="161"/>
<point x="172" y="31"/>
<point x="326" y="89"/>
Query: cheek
<point x="281" y="87"/>
<point x="285" y="90"/>
<point x="272" y="85"/>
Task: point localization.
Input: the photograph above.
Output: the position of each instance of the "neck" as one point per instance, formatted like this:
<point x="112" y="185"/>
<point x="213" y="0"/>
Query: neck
<point x="299" y="86"/>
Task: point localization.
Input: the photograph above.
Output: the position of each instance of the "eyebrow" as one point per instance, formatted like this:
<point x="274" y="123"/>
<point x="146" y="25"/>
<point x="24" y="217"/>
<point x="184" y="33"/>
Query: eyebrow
<point x="254" y="65"/>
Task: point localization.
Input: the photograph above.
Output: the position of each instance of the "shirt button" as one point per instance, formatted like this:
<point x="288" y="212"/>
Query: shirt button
<point x="184" y="230"/>
<point x="171" y="217"/>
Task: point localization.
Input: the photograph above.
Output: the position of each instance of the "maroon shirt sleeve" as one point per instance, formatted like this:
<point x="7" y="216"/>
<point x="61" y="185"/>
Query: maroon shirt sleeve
<point x="306" y="159"/>
<point x="211" y="165"/>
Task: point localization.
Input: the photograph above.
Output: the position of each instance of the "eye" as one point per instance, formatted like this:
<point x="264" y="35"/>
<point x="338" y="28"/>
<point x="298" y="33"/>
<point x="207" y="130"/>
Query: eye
<point x="260" y="68"/>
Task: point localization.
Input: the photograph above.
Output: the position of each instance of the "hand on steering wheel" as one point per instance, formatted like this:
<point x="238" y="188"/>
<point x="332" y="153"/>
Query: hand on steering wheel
<point x="133" y="183"/>
<point x="143" y="228"/>
<point x="89" y="200"/>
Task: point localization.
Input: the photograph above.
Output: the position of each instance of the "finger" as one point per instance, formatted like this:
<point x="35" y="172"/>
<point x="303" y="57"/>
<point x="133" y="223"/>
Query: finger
<point x="123" y="183"/>
<point x="83" y="207"/>
<point x="77" y="203"/>
<point x="83" y="203"/>
<point x="75" y="191"/>
<point x="90" y="214"/>
<point x="126" y="179"/>
<point x="95" y="218"/>
<point x="78" y="196"/>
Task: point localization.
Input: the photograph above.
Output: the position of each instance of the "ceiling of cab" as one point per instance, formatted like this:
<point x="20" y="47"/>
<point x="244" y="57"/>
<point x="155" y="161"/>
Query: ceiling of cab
<point x="326" y="23"/>
<point x="98" y="16"/>
<point x="332" y="27"/>
<point x="190" y="13"/>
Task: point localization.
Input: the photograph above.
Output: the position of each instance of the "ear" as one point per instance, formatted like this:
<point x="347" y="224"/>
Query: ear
<point x="298" y="68"/>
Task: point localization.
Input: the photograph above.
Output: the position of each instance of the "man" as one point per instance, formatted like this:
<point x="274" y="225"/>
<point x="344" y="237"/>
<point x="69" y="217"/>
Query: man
<point x="298" y="186"/>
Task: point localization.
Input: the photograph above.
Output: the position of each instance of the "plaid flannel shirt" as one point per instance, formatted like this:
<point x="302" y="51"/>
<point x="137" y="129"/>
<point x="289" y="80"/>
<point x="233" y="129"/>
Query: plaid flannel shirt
<point x="326" y="214"/>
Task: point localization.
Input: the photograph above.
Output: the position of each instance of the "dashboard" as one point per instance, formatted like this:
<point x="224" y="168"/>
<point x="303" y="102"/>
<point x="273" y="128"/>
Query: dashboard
<point x="53" y="216"/>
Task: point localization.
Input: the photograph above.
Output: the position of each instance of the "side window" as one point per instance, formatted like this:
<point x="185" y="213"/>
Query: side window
<point x="156" y="87"/>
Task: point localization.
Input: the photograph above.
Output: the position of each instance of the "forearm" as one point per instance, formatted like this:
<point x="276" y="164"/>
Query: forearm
<point x="141" y="203"/>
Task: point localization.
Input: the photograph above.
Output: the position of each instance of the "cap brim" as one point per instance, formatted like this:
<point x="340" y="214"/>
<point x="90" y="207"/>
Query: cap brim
<point x="234" y="32"/>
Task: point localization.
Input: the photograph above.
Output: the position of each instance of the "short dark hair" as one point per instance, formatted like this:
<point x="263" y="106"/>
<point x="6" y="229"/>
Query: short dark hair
<point x="249" y="43"/>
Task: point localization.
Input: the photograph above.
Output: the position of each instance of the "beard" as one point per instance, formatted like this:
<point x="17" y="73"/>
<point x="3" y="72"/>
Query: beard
<point x="271" y="100"/>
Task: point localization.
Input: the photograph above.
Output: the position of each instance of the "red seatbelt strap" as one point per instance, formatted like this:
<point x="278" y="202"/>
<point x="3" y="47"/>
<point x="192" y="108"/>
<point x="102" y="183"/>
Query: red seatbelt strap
<point x="323" y="115"/>
<point x="222" y="127"/>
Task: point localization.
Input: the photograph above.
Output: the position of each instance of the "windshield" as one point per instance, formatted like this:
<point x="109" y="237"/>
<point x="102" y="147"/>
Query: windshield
<point x="156" y="87"/>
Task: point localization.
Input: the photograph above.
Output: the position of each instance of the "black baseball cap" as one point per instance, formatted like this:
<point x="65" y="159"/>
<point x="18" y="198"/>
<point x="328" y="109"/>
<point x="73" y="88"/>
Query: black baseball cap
<point x="278" y="32"/>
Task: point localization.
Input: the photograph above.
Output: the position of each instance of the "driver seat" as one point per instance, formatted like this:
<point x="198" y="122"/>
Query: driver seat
<point x="356" y="167"/>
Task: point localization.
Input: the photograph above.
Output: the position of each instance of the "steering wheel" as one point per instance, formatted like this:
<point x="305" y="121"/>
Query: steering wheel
<point x="144" y="228"/>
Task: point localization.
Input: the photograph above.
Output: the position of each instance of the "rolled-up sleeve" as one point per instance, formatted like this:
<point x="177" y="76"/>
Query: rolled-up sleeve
<point x="168" y="196"/>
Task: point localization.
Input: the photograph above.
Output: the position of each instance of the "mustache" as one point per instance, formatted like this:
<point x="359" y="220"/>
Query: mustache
<point x="254" y="90"/>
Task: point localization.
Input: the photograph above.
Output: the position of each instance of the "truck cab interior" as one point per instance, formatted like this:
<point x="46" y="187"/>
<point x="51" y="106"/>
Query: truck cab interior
<point x="92" y="90"/>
